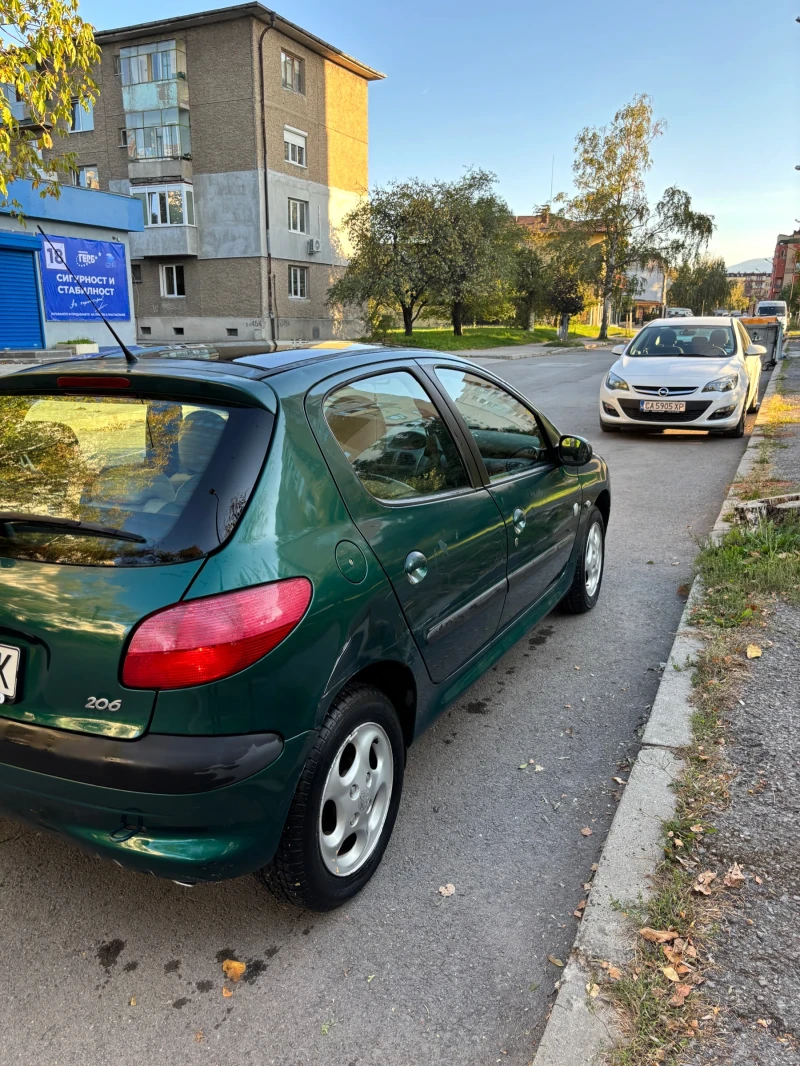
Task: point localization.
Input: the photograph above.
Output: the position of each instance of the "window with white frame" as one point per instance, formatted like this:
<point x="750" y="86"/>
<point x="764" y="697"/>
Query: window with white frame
<point x="294" y="146"/>
<point x="161" y="61"/>
<point x="298" y="283"/>
<point x="172" y="280"/>
<point x="87" y="177"/>
<point x="82" y="117"/>
<point x="166" y="205"/>
<point x="298" y="216"/>
<point x="293" y="72"/>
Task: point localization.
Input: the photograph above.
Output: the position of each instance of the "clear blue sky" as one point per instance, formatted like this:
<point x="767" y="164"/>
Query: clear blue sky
<point x="507" y="85"/>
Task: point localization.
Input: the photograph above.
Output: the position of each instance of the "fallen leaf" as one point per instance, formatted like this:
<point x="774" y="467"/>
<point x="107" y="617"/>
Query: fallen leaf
<point x="678" y="997"/>
<point x="759" y="881"/>
<point x="659" y="1055"/>
<point x="370" y="978"/>
<point x="447" y="890"/>
<point x="577" y="914"/>
<point x="233" y="970"/>
<point x="696" y="828"/>
<point x="657" y="936"/>
<point x="764" y="1022"/>
<point x="734" y="878"/>
<point x="586" y="831"/>
<point x="614" y="973"/>
<point x="587" y="886"/>
<point x="523" y="766"/>
<point x="537" y="769"/>
<point x="670" y="974"/>
<point x="199" y="1036"/>
<point x="581" y="905"/>
<point x="753" y="651"/>
<point x="593" y="990"/>
<point x="554" y="960"/>
<point x="619" y="780"/>
<point x="702" y="883"/>
<point x="227" y="992"/>
<point x="133" y="1001"/>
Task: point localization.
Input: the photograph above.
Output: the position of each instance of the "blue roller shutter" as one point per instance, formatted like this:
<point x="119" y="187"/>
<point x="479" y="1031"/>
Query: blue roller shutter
<point x="20" y="317"/>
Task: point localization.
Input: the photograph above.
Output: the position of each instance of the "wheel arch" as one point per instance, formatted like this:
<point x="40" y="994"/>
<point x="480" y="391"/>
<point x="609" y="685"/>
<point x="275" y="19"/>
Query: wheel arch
<point x="603" y="504"/>
<point x="396" y="680"/>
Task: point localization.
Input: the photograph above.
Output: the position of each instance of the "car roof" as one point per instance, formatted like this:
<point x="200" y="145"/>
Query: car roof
<point x="694" y="320"/>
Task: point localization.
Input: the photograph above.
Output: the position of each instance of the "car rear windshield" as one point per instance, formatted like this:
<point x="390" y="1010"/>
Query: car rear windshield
<point x="123" y="481"/>
<point x="710" y="341"/>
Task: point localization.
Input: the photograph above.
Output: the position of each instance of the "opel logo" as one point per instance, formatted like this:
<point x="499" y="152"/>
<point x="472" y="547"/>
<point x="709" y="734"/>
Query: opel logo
<point x="663" y="392"/>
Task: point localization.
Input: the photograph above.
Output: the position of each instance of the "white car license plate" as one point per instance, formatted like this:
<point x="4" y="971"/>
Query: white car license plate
<point x="672" y="406"/>
<point x="9" y="670"/>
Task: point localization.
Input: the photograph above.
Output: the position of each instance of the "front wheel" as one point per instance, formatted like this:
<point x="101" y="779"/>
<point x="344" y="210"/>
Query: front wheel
<point x="345" y="804"/>
<point x="606" y="428"/>
<point x="738" y="429"/>
<point x="585" y="588"/>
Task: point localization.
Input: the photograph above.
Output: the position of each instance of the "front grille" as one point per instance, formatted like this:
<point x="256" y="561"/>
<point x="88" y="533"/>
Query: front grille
<point x="694" y="409"/>
<point x="672" y="390"/>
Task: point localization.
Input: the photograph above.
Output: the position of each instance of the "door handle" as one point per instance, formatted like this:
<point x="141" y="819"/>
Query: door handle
<point x="519" y="520"/>
<point x="416" y="567"/>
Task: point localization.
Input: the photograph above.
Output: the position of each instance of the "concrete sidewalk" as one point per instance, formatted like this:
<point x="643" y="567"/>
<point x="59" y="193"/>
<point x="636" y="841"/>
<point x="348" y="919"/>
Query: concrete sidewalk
<point x="532" y="351"/>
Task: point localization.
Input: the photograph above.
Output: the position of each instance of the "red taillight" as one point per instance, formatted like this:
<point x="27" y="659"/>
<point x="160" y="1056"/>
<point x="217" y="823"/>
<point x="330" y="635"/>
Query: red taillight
<point x="84" y="381"/>
<point x="204" y="640"/>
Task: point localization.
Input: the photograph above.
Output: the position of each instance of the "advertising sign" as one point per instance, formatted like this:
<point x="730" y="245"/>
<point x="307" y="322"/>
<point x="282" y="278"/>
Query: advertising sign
<point x="101" y="269"/>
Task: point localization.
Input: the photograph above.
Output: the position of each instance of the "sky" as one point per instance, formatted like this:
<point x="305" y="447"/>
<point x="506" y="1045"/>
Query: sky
<point x="507" y="86"/>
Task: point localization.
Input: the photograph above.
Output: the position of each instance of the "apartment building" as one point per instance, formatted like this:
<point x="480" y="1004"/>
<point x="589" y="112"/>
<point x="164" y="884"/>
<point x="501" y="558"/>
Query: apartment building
<point x="784" y="264"/>
<point x="245" y="139"/>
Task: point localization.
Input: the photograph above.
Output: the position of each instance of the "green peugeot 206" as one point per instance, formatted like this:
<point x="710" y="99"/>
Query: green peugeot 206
<point x="233" y="594"/>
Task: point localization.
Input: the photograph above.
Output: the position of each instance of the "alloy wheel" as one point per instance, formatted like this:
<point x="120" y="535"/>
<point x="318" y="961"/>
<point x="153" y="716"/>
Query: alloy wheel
<point x="593" y="566"/>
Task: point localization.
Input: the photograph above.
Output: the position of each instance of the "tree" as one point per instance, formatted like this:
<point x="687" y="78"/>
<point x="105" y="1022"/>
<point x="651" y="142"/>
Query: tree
<point x="701" y="285"/>
<point x="566" y="299"/>
<point x="46" y="56"/>
<point x="531" y="278"/>
<point x="611" y="204"/>
<point x="477" y="244"/>
<point x="737" y="298"/>
<point x="397" y="234"/>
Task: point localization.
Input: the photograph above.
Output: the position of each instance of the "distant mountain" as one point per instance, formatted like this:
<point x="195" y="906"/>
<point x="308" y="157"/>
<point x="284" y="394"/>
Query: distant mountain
<point x="750" y="266"/>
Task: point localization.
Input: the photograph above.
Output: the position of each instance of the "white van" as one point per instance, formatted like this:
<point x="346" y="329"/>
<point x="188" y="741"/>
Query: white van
<point x="774" y="309"/>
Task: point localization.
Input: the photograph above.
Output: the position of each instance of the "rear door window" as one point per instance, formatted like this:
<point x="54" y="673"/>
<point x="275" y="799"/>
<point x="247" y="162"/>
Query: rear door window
<point x="119" y="480"/>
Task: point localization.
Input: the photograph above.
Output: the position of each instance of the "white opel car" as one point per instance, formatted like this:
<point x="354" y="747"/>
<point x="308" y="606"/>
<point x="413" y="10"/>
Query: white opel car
<point x="688" y="373"/>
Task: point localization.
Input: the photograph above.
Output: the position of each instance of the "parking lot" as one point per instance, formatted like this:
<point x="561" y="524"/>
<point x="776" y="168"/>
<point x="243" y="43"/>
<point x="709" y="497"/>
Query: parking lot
<point x="126" y="969"/>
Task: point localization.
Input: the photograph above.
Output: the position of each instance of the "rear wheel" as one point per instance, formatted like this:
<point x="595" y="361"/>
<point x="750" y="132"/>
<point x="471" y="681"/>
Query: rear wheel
<point x="585" y="589"/>
<point x="738" y="429"/>
<point x="345" y="804"/>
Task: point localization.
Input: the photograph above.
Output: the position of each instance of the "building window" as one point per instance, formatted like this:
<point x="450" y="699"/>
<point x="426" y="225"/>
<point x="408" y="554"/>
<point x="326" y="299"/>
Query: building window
<point x="298" y="283"/>
<point x="172" y="283"/>
<point x="87" y="177"/>
<point x="294" y="147"/>
<point x="136" y="273"/>
<point x="162" y="134"/>
<point x="166" y="205"/>
<point x="293" y="73"/>
<point x="298" y="216"/>
<point x="145" y="330"/>
<point x="82" y="117"/>
<point x="162" y="61"/>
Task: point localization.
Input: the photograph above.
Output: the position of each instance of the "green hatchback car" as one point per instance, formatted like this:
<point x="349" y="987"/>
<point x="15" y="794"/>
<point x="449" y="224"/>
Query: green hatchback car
<point x="233" y="594"/>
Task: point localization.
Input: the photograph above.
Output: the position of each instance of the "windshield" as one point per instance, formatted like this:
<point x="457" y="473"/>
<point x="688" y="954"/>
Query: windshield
<point x="772" y="309"/>
<point x="707" y="341"/>
<point x="175" y="476"/>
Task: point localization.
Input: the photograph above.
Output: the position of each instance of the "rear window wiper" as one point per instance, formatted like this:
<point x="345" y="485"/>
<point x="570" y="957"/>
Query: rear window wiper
<point x="14" y="521"/>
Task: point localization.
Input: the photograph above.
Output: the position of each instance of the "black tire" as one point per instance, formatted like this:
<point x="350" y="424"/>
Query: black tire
<point x="577" y="599"/>
<point x="297" y="874"/>
<point x="755" y="404"/>
<point x="738" y="429"/>
<point x="606" y="428"/>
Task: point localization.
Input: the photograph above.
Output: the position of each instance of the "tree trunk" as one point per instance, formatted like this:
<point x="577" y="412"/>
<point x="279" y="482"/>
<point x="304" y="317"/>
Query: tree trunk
<point x="457" y="316"/>
<point x="408" y="320"/>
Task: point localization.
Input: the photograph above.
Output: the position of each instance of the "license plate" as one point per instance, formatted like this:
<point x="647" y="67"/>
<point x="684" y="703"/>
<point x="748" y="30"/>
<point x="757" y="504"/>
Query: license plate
<point x="9" y="671"/>
<point x="672" y="406"/>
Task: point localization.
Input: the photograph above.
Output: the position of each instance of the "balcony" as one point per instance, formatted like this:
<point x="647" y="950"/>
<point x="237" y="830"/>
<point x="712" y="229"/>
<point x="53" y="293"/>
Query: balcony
<point x="163" y="240"/>
<point x="153" y="95"/>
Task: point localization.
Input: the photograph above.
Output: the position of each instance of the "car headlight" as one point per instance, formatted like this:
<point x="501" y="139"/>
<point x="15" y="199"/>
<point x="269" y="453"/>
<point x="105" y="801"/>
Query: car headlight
<point x="615" y="382"/>
<point x="726" y="384"/>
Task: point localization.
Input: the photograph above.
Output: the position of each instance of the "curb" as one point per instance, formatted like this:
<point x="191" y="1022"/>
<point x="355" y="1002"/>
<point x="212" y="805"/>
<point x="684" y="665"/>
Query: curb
<point x="580" y="1030"/>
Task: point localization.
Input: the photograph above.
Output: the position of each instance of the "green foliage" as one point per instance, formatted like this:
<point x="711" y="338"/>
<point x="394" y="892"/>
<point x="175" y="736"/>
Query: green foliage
<point x="612" y="206"/>
<point x="701" y="285"/>
<point x="565" y="296"/>
<point x="47" y="53"/>
<point x="736" y="299"/>
<point x="443" y="340"/>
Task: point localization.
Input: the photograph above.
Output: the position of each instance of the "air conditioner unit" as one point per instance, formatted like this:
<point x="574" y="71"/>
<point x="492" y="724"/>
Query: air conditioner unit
<point x="314" y="245"/>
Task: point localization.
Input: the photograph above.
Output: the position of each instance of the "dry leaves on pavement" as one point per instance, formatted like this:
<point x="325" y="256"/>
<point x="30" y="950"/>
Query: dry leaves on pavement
<point x="447" y="890"/>
<point x="734" y="878"/>
<point x="227" y="992"/>
<point x="753" y="651"/>
<point x="554" y="960"/>
<point x="703" y="882"/>
<point x="678" y="998"/>
<point x="233" y="970"/>
<point x="586" y="831"/>
<point x="657" y="936"/>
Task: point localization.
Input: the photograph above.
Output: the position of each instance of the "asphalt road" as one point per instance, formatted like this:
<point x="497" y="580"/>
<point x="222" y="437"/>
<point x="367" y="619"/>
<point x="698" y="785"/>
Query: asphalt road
<point x="99" y="966"/>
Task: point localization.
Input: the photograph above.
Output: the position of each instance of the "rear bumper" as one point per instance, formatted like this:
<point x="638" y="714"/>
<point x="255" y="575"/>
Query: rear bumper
<point x="209" y="834"/>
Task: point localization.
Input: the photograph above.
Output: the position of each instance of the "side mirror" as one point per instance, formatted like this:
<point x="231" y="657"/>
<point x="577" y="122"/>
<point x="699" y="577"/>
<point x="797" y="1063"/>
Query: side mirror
<point x="756" y="349"/>
<point x="618" y="349"/>
<point x="574" y="451"/>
